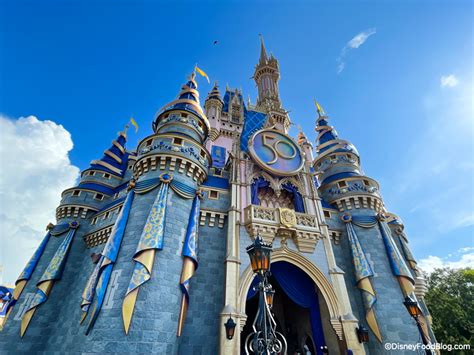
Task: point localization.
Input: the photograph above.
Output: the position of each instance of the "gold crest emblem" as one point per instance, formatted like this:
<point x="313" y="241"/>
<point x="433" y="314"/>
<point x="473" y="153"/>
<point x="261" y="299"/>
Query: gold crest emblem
<point x="287" y="217"/>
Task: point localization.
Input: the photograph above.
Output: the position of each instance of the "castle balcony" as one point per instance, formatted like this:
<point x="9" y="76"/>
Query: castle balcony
<point x="284" y="222"/>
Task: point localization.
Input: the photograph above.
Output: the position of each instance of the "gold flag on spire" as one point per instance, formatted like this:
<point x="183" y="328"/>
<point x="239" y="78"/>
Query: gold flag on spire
<point x="202" y="73"/>
<point x="319" y="109"/>
<point x="134" y="123"/>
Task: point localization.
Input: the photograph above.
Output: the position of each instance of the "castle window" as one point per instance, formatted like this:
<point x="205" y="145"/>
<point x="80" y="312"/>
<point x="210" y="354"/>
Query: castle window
<point x="342" y="184"/>
<point x="203" y="154"/>
<point x="94" y="220"/>
<point x="366" y="183"/>
<point x="106" y="175"/>
<point x="184" y="114"/>
<point x="91" y="173"/>
<point x="327" y="214"/>
<point x="217" y="172"/>
<point x="99" y="197"/>
<point x="178" y="141"/>
<point x="148" y="142"/>
<point x="166" y="115"/>
<point x="213" y="194"/>
<point x="119" y="209"/>
<point x="200" y="124"/>
<point x="76" y="192"/>
<point x="106" y="215"/>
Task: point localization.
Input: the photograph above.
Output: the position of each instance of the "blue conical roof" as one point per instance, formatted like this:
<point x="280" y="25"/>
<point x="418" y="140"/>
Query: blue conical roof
<point x="328" y="140"/>
<point x="187" y="100"/>
<point x="115" y="158"/>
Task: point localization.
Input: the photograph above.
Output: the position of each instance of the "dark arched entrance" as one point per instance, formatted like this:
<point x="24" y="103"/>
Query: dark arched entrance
<point x="295" y="309"/>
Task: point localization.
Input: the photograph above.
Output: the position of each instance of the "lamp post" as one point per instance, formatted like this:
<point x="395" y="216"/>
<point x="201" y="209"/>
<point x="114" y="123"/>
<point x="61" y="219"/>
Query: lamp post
<point x="264" y="339"/>
<point x="414" y="311"/>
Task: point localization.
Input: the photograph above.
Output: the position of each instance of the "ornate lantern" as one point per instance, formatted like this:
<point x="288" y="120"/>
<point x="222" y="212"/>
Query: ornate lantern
<point x="230" y="328"/>
<point x="259" y="253"/>
<point x="412" y="307"/>
<point x="269" y="296"/>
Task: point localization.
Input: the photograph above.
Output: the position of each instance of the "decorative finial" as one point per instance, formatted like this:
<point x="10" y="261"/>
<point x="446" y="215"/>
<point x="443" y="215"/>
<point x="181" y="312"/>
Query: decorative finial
<point x="301" y="136"/>
<point x="124" y="132"/>
<point x="320" y="110"/>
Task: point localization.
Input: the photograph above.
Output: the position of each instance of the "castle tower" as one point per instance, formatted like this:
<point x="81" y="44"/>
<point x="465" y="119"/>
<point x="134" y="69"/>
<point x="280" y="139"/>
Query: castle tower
<point x="266" y="76"/>
<point x="373" y="257"/>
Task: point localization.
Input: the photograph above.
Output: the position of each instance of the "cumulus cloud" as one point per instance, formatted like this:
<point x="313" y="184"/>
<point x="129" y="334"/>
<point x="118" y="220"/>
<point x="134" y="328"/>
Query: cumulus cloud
<point x="449" y="81"/>
<point x="35" y="169"/>
<point x="354" y="43"/>
<point x="431" y="263"/>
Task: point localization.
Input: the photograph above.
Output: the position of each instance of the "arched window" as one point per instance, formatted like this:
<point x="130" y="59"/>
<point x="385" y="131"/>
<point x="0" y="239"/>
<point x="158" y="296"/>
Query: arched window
<point x="264" y="195"/>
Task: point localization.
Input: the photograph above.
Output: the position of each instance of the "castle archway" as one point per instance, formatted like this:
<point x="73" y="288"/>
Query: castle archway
<point x="306" y="315"/>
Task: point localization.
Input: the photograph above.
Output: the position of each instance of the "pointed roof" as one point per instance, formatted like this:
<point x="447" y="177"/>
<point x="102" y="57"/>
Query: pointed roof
<point x="115" y="158"/>
<point x="301" y="136"/>
<point x="187" y="100"/>
<point x="328" y="140"/>
<point x="214" y="94"/>
<point x="263" y="52"/>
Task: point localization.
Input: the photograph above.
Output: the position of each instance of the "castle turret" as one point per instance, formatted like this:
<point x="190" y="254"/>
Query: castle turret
<point x="213" y="107"/>
<point x="99" y="183"/>
<point x="337" y="166"/>
<point x="266" y="76"/>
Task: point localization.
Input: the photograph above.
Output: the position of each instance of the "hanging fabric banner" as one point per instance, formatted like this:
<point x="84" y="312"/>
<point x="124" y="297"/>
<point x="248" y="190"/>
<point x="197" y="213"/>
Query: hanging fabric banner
<point x="52" y="273"/>
<point x="363" y="271"/>
<point x="398" y="265"/>
<point x="190" y="260"/>
<point x="150" y="241"/>
<point x="25" y="275"/>
<point x="406" y="249"/>
<point x="99" y="279"/>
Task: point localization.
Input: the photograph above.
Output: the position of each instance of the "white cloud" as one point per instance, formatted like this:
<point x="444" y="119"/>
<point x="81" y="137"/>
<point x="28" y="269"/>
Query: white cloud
<point x="354" y="43"/>
<point x="449" y="81"/>
<point x="35" y="169"/>
<point x="434" y="262"/>
<point x="360" y="38"/>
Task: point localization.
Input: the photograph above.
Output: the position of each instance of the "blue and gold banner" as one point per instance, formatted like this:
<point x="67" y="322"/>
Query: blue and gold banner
<point x="99" y="279"/>
<point x="150" y="241"/>
<point x="406" y="249"/>
<point x="218" y="156"/>
<point x="30" y="268"/>
<point x="398" y="265"/>
<point x="52" y="273"/>
<point x="190" y="260"/>
<point x="363" y="272"/>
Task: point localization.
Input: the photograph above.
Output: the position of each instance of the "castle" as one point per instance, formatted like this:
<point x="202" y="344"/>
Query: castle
<point x="148" y="253"/>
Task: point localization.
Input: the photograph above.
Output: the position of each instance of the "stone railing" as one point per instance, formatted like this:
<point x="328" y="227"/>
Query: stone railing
<point x="270" y="222"/>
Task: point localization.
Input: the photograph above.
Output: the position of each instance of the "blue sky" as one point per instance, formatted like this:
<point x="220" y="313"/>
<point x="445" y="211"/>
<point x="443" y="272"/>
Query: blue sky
<point x="404" y="96"/>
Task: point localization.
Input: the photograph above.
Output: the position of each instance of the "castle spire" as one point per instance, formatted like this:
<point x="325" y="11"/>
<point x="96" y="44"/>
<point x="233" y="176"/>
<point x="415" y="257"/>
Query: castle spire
<point x="115" y="158"/>
<point x="263" y="52"/>
<point x="214" y="93"/>
<point x="187" y="100"/>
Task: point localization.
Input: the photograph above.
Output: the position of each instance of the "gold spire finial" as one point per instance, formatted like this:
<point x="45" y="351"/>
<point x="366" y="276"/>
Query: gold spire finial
<point x="124" y="131"/>
<point x="320" y="110"/>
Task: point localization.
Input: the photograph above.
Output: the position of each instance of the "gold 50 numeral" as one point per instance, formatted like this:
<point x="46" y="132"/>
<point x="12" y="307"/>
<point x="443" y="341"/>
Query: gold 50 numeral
<point x="275" y="148"/>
